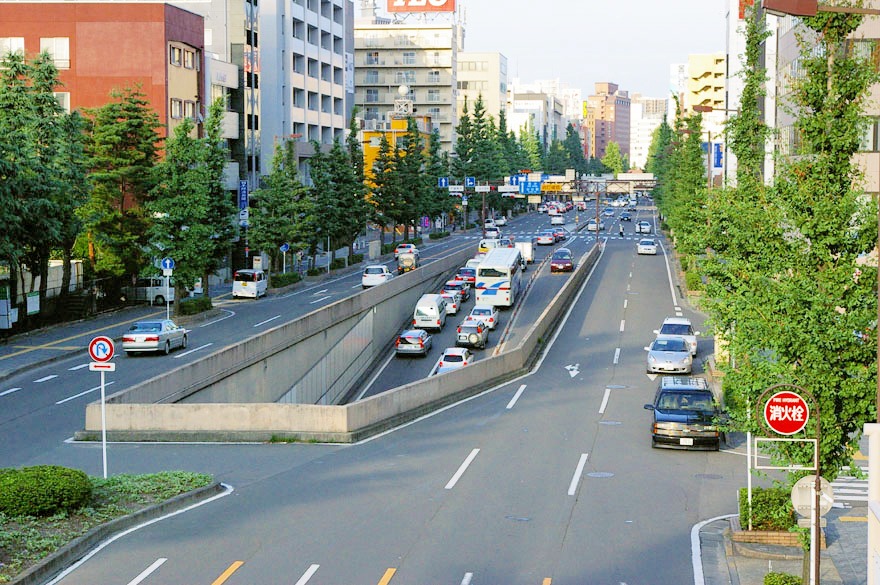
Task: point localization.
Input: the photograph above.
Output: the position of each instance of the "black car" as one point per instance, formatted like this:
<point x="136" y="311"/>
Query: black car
<point x="686" y="415"/>
<point x="626" y="216"/>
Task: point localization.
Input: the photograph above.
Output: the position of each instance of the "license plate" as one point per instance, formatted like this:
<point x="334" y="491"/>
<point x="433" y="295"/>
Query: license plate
<point x="686" y="441"/>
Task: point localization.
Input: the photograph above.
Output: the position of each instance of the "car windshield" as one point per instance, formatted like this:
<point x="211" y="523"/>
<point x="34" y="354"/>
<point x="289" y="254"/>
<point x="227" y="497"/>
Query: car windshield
<point x="146" y="327"/>
<point x="452" y="286"/>
<point x="374" y="270"/>
<point x="676" y="329"/>
<point x="481" y="312"/>
<point x="698" y="401"/>
<point x="410" y="338"/>
<point x="468" y="272"/>
<point x="646" y="243"/>
<point x="561" y="255"/>
<point x="669" y="345"/>
<point x="453" y="357"/>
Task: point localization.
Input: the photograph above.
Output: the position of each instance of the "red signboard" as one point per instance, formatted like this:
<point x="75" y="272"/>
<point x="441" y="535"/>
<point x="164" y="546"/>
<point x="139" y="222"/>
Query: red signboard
<point x="421" y="5"/>
<point x="786" y="413"/>
<point x="101" y="349"/>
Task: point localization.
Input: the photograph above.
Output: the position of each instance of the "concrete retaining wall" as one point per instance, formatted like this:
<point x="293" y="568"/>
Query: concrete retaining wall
<point x="141" y="420"/>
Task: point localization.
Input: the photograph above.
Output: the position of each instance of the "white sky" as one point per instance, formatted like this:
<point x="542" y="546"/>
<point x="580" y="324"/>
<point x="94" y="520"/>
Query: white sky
<point x="628" y="42"/>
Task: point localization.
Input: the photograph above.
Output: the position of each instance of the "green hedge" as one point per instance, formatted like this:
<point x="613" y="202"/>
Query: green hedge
<point x="279" y="279"/>
<point x="692" y="280"/>
<point x="338" y="263"/>
<point x="389" y="248"/>
<point x="438" y="235"/>
<point x="356" y="259"/>
<point x="43" y="490"/>
<point x="782" y="579"/>
<point x="313" y="271"/>
<point x="771" y="509"/>
<point x="194" y="305"/>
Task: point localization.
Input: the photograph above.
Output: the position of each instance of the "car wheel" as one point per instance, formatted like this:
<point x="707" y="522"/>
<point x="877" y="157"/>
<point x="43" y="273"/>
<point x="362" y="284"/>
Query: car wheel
<point x="653" y="444"/>
<point x="159" y="300"/>
<point x="167" y="349"/>
<point x="183" y="343"/>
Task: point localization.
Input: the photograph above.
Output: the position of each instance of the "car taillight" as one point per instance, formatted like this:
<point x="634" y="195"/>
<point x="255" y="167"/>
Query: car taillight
<point x="397" y="342"/>
<point x="127" y="339"/>
<point x="421" y="343"/>
<point x="151" y="338"/>
<point x="458" y="329"/>
<point x="438" y="322"/>
<point x="491" y="320"/>
<point x="440" y="365"/>
<point x="414" y="321"/>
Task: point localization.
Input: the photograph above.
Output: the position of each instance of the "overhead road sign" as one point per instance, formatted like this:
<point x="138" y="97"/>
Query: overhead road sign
<point x="530" y="188"/>
<point x="470" y="181"/>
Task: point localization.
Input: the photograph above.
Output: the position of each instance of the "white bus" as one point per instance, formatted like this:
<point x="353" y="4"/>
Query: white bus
<point x="498" y="278"/>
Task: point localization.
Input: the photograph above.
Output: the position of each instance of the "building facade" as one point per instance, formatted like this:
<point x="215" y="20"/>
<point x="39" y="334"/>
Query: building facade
<point x="646" y="114"/>
<point x="607" y="114"/>
<point x="543" y="114"/>
<point x="482" y="75"/>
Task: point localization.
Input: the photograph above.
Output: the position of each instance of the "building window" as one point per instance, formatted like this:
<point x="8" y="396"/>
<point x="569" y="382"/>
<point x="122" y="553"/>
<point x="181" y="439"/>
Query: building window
<point x="434" y="113"/>
<point x="372" y="58"/>
<point x="372" y="96"/>
<point x="409" y="58"/>
<point x="433" y="95"/>
<point x="437" y="58"/>
<point x="372" y="76"/>
<point x="189" y="110"/>
<point x="337" y="76"/>
<point x="59" y="49"/>
<point x="299" y="98"/>
<point x="176" y="56"/>
<point x="313" y="35"/>
<point x="433" y="77"/>
<point x="253" y="122"/>
<point x="299" y="28"/>
<point x="189" y="59"/>
<point x="371" y="113"/>
<point x="11" y="45"/>
<point x="313" y="68"/>
<point x="406" y="77"/>
<point x="337" y="106"/>
<point x="313" y="101"/>
<point x="326" y="72"/>
<point x="326" y="104"/>
<point x="176" y="108"/>
<point x="63" y="98"/>
<point x="299" y="63"/>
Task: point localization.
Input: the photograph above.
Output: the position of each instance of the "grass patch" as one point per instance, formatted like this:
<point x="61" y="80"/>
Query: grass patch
<point x="26" y="540"/>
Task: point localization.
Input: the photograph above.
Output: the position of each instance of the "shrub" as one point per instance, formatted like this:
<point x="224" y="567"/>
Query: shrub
<point x="438" y="235"/>
<point x="771" y="509"/>
<point x="279" y="279"/>
<point x="356" y="258"/>
<point x="313" y="272"/>
<point x="693" y="281"/>
<point x="782" y="579"/>
<point x="193" y="305"/>
<point x="43" y="490"/>
<point x="338" y="263"/>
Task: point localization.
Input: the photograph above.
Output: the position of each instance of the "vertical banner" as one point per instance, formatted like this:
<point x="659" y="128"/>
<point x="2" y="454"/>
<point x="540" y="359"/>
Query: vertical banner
<point x="242" y="195"/>
<point x="718" y="155"/>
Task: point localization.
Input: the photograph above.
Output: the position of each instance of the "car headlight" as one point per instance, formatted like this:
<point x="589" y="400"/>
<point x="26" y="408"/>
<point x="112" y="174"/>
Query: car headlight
<point x="651" y="359"/>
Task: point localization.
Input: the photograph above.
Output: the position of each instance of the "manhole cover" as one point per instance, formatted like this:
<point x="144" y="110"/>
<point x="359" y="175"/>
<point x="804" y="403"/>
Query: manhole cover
<point x="600" y="474"/>
<point x="518" y="518"/>
<point x="708" y="476"/>
<point x="609" y="422"/>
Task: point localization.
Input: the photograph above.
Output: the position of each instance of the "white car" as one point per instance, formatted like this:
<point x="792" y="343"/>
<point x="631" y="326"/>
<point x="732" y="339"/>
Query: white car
<point x="647" y="246"/>
<point x="682" y="327"/>
<point x="643" y="227"/>
<point x="453" y="358"/>
<point x="488" y="314"/>
<point x="490" y="223"/>
<point x="453" y="301"/>
<point x="669" y="354"/>
<point x="375" y="275"/>
<point x="542" y="208"/>
<point x="501" y="221"/>
<point x="557" y="220"/>
<point x="161" y="335"/>
<point x="591" y="225"/>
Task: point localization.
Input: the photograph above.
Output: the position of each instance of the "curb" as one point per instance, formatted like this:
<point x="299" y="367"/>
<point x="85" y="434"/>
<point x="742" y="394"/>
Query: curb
<point x="76" y="549"/>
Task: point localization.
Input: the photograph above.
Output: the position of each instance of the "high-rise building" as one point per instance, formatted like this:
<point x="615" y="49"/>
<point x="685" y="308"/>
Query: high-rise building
<point x="482" y="75"/>
<point x="608" y="119"/>
<point x="419" y="56"/>
<point x="542" y="113"/>
<point x="646" y="114"/>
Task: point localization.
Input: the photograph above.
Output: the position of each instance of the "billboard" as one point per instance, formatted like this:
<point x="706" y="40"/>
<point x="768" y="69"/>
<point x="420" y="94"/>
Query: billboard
<point x="421" y="5"/>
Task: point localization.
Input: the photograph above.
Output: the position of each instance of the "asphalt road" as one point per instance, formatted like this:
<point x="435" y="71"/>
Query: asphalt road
<point x="547" y="479"/>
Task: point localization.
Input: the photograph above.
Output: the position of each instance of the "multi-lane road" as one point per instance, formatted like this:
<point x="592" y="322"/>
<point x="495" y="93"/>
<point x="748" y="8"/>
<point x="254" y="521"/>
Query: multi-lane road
<point x="549" y="478"/>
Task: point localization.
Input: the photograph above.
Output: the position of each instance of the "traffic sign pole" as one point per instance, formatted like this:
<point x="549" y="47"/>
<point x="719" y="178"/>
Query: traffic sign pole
<point x="101" y="351"/>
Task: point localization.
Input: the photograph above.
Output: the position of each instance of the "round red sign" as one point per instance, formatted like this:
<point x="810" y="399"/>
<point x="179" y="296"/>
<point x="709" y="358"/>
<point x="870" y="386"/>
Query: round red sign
<point x="101" y="349"/>
<point x="786" y="413"/>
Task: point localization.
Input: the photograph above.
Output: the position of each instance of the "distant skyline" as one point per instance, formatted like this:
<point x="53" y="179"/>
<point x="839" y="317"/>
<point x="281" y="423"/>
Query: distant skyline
<point x="581" y="42"/>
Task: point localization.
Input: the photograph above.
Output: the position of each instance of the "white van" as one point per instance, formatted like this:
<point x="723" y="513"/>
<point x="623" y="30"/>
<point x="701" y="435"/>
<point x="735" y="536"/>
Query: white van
<point x="150" y="289"/>
<point x="430" y="312"/>
<point x="249" y="283"/>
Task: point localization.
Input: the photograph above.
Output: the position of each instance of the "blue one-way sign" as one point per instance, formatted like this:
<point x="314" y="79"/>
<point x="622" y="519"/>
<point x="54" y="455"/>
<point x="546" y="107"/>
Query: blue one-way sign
<point x="167" y="264"/>
<point x="470" y="182"/>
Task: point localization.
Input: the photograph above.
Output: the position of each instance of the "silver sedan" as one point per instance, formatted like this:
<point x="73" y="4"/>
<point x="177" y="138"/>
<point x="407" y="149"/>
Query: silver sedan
<point x="669" y="354"/>
<point x="160" y="335"/>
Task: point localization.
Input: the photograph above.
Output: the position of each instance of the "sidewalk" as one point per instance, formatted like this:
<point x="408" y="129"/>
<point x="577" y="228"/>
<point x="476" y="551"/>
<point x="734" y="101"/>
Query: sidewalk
<point x="843" y="562"/>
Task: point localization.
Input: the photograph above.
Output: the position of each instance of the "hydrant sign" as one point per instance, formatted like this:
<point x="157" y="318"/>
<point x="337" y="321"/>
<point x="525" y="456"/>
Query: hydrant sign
<point x="786" y="413"/>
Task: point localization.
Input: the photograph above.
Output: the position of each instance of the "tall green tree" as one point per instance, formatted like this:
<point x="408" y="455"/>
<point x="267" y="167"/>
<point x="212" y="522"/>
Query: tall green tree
<point x="574" y="149"/>
<point x="409" y="162"/>
<point x="122" y="150"/>
<point x="659" y="155"/>
<point x="386" y="191"/>
<point x="613" y="159"/>
<point x="528" y="138"/>
<point x="334" y="191"/>
<point x="221" y="201"/>
<point x="556" y="159"/>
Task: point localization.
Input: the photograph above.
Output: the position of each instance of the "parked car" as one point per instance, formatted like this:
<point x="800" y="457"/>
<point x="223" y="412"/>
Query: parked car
<point x="669" y="354"/>
<point x="413" y="342"/>
<point x="561" y="261"/>
<point x="547" y="237"/>
<point x="453" y="301"/>
<point x="647" y="246"/>
<point x="643" y="227"/>
<point x="460" y="286"/>
<point x="472" y="333"/>
<point x="488" y="314"/>
<point x="159" y="335"/>
<point x="685" y="415"/>
<point x="375" y="275"/>
<point x="682" y="327"/>
<point x="453" y="358"/>
<point x="150" y="289"/>
<point x="467" y="274"/>
<point x="407" y="261"/>
<point x="402" y="248"/>
<point x="591" y="225"/>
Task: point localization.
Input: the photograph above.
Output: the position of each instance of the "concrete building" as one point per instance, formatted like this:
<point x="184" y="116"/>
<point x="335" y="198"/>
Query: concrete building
<point x="678" y="78"/>
<point x="482" y="74"/>
<point x="421" y="55"/>
<point x="646" y="114"/>
<point x="608" y="119"/>
<point x="543" y="113"/>
<point x="735" y="54"/>
<point x="165" y="58"/>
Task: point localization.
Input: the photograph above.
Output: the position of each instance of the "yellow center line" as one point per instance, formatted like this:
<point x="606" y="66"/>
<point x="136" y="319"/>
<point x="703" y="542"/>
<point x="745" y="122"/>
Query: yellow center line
<point x="228" y="573"/>
<point x="92" y="332"/>
<point x="386" y="578"/>
<point x="58" y="347"/>
<point x="853" y="518"/>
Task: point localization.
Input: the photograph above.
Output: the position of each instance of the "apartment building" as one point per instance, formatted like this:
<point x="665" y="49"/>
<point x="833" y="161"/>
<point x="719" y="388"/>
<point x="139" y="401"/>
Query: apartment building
<point x="607" y="114"/>
<point x="482" y="75"/>
<point x="646" y="114"/>
<point x="420" y="56"/>
<point x="543" y="113"/>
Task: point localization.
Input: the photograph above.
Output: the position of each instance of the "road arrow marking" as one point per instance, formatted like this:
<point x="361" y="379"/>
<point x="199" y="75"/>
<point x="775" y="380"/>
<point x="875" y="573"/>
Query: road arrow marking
<point x="573" y="370"/>
<point x="652" y="377"/>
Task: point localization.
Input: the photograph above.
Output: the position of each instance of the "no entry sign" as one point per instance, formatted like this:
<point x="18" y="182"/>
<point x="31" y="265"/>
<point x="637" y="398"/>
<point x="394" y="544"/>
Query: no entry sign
<point x="786" y="413"/>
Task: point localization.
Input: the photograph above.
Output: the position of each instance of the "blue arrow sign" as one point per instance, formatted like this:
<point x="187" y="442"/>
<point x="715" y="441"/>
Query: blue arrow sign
<point x="470" y="182"/>
<point x="442" y="182"/>
<point x="530" y="188"/>
<point x="513" y="180"/>
<point x="167" y="264"/>
<point x="285" y="247"/>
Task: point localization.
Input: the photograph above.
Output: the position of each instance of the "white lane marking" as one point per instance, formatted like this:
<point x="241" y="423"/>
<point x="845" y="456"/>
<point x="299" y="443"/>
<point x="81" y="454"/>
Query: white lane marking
<point x="617" y="355"/>
<point x="512" y="400"/>
<point x="320" y="292"/>
<point x="90" y="390"/>
<point x="186" y="353"/>
<point x="231" y="314"/>
<point x="375" y="377"/>
<point x="79" y="367"/>
<point x="307" y="575"/>
<point x="462" y="469"/>
<point x="10" y="391"/>
<point x="46" y="378"/>
<point x="268" y="320"/>
<point x="146" y="572"/>
<point x="467" y="579"/>
<point x="605" y="401"/>
<point x="357" y="286"/>
<point x="227" y="489"/>
<point x="622" y="324"/>
<point x="669" y="275"/>
<point x="630" y="274"/>
<point x="625" y="302"/>
<point x="319" y="300"/>
<point x="572" y="487"/>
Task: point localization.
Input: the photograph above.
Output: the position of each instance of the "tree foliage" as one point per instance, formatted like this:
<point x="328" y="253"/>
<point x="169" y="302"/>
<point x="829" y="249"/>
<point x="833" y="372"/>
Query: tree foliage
<point x="613" y="159"/>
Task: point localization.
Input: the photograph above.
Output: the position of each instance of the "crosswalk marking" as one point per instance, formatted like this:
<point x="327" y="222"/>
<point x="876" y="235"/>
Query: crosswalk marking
<point x="848" y="488"/>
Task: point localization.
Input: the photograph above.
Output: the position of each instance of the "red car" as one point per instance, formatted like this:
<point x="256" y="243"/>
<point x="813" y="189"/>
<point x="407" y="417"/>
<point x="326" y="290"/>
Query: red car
<point x="560" y="233"/>
<point x="467" y="274"/>
<point x="561" y="261"/>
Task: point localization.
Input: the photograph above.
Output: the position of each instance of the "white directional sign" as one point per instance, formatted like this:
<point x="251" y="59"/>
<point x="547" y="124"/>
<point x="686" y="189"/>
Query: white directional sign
<point x="509" y="188"/>
<point x="456" y="188"/>
<point x="482" y="188"/>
